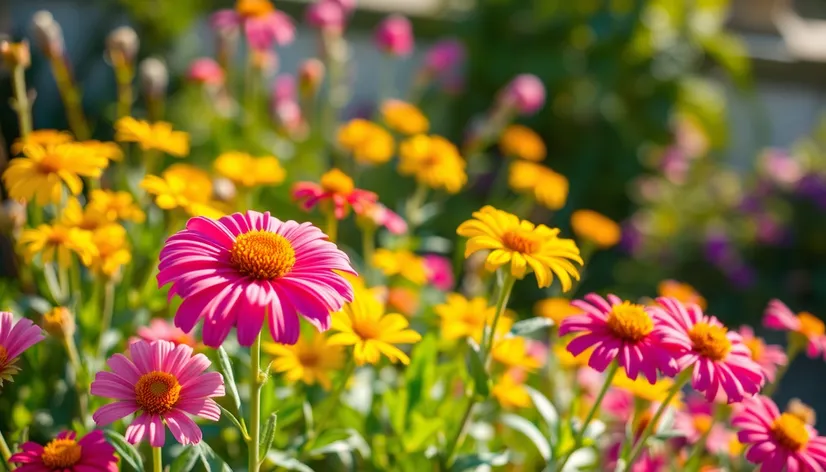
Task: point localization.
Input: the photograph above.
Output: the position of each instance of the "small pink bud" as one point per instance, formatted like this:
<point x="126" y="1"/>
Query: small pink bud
<point x="394" y="36"/>
<point x="310" y="76"/>
<point x="347" y="6"/>
<point x="326" y="15"/>
<point x="206" y="71"/>
<point x="283" y="89"/>
<point x="525" y="93"/>
<point x="444" y="55"/>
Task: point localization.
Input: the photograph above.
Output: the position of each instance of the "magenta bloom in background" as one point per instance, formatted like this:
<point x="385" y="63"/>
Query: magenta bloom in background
<point x="620" y="331"/>
<point x="162" y="330"/>
<point x="284" y="88"/>
<point x="439" y="271"/>
<point x="381" y="216"/>
<point x="525" y="93"/>
<point x="331" y="194"/>
<point x="809" y="328"/>
<point x="696" y="420"/>
<point x="718" y="358"/>
<point x="394" y="35"/>
<point x="262" y="24"/>
<point x="66" y="454"/>
<point x="14" y="339"/>
<point x="236" y="270"/>
<point x="326" y="15"/>
<point x="768" y="356"/>
<point x="778" y="441"/>
<point x="444" y="56"/>
<point x="162" y="383"/>
<point x="206" y="71"/>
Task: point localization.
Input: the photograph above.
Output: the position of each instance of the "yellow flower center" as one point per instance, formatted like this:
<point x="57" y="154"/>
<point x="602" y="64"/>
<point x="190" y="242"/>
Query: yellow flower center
<point x="262" y="255"/>
<point x="790" y="432"/>
<point x="366" y="330"/>
<point x="253" y="8"/>
<point x="702" y="423"/>
<point x="523" y="241"/>
<point x="630" y="322"/>
<point x="157" y="392"/>
<point x="710" y="341"/>
<point x="810" y="325"/>
<point x="61" y="453"/>
<point x="756" y="347"/>
<point x="337" y="182"/>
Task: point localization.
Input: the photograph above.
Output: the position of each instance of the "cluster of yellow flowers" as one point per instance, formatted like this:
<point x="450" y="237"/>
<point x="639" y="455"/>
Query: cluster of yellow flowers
<point x="368" y="142"/>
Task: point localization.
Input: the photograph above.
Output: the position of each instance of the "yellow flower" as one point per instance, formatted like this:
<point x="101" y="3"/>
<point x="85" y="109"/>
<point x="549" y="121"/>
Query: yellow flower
<point x="522" y="142"/>
<point x="599" y="229"/>
<point x="44" y="171"/>
<point x="43" y="137"/>
<point x="556" y="309"/>
<point x="115" y="206"/>
<point x="309" y="361"/>
<point x="567" y="360"/>
<point x="158" y="135"/>
<point x="513" y="352"/>
<point x="112" y="249"/>
<point x="183" y="186"/>
<point x="402" y="263"/>
<point x="547" y="187"/>
<point x="643" y="390"/>
<point x="248" y="171"/>
<point x="74" y="215"/>
<point x="108" y="149"/>
<point x="364" y="325"/>
<point x="461" y="318"/>
<point x="682" y="292"/>
<point x="510" y="393"/>
<point x="404" y="117"/>
<point x="368" y="142"/>
<point x="57" y="240"/>
<point x="433" y="161"/>
<point x="521" y="244"/>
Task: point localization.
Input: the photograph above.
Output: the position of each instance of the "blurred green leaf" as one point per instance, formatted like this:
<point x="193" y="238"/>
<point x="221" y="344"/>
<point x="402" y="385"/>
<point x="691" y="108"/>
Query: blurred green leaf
<point x="225" y="365"/>
<point x="419" y="375"/>
<point x="186" y="461"/>
<point x="530" y="431"/>
<point x="544" y="407"/>
<point x="521" y="328"/>
<point x="481" y="380"/>
<point x="126" y="451"/>
<point x="268" y="434"/>
<point x="730" y="52"/>
<point x="422" y="431"/>
<point x="282" y="460"/>
<point x="234" y="419"/>
<point x="472" y="461"/>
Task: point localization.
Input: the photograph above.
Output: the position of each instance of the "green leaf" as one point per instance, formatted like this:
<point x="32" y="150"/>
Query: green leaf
<point x="268" y="434"/>
<point x="284" y="461"/>
<point x="186" y="461"/>
<point x="329" y="436"/>
<point x="420" y="373"/>
<point x="422" y="432"/>
<point x="209" y="457"/>
<point x="472" y="461"/>
<point x="229" y="377"/>
<point x="234" y="420"/>
<point x="481" y="380"/>
<point x="521" y="328"/>
<point x="126" y="451"/>
<point x="544" y="407"/>
<point x="531" y="431"/>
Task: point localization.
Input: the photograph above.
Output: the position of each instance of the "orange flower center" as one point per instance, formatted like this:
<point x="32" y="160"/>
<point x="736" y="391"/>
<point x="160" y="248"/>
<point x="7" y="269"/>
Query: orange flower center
<point x="157" y="392"/>
<point x="756" y="347"/>
<point x="57" y="237"/>
<point x="710" y="341"/>
<point x="4" y="356"/>
<point x="337" y="182"/>
<point x="366" y="331"/>
<point x="702" y="423"/>
<point x="262" y="255"/>
<point x="521" y="240"/>
<point x="790" y="432"/>
<point x="254" y="8"/>
<point x="61" y="453"/>
<point x="309" y="358"/>
<point x="810" y="325"/>
<point x="50" y="164"/>
<point x="630" y="322"/>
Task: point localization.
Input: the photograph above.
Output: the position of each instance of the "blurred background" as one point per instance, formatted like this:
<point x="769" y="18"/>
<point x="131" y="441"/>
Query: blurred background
<point x="695" y="123"/>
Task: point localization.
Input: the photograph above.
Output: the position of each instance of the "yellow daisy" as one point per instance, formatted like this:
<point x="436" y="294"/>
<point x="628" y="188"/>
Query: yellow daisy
<point x="57" y="241"/>
<point x="433" y="161"/>
<point x="568" y="360"/>
<point x="510" y="393"/>
<point x="183" y="186"/>
<point x="513" y="352"/>
<point x="43" y="137"/>
<point x="522" y="245"/>
<point x="368" y="142"/>
<point x="309" y="361"/>
<point x="44" y="172"/>
<point x="461" y="318"/>
<point x="594" y="227"/>
<point x="74" y="215"/>
<point x="402" y="263"/>
<point x="108" y="149"/>
<point x="247" y="171"/>
<point x="158" y="135"/>
<point x="556" y="309"/>
<point x="547" y="187"/>
<point x="115" y="206"/>
<point x="404" y="117"/>
<point x="364" y="325"/>
<point x="642" y="389"/>
<point x="523" y="143"/>
<point x="112" y="250"/>
<point x="682" y="292"/>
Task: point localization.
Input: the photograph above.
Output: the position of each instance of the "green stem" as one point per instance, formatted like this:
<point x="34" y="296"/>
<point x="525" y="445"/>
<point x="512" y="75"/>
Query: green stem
<point x="414" y="205"/>
<point x="795" y="347"/>
<point x="699" y="446"/>
<point x="77" y="288"/>
<point x="50" y="276"/>
<point x="71" y="99"/>
<point x="368" y="245"/>
<point x="332" y="225"/>
<point x="334" y="399"/>
<point x="22" y="105"/>
<point x="255" y="404"/>
<point x="123" y="76"/>
<point x="74" y="361"/>
<point x="157" y="459"/>
<point x="108" y="311"/>
<point x="5" y="452"/>
<point x="457" y="438"/>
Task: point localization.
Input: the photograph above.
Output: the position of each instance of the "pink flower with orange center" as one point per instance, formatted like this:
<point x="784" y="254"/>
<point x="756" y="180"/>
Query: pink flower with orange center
<point x="261" y="23"/>
<point x="205" y="70"/>
<point x="14" y="339"/>
<point x="336" y="192"/>
<point x="162" y="330"/>
<point x="806" y="326"/>
<point x="65" y="453"/>
<point x="768" y="356"/>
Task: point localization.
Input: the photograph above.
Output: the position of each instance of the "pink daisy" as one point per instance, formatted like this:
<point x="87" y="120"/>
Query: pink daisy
<point x="779" y="316"/>
<point x="336" y="192"/>
<point x="620" y="331"/>
<point x="239" y="269"/>
<point x="768" y="356"/>
<point x="439" y="271"/>
<point x="162" y="330"/>
<point x="778" y="441"/>
<point x="718" y="357"/>
<point x="14" y="339"/>
<point x="90" y="454"/>
<point x="697" y="419"/>
<point x="162" y="382"/>
<point x="262" y="24"/>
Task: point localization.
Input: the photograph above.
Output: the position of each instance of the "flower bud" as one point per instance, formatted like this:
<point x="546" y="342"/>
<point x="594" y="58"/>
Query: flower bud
<point x="326" y="15"/>
<point x="16" y="54"/>
<point x="525" y="93"/>
<point x="284" y="88"/>
<point x="59" y="322"/>
<point x="394" y="36"/>
<point x="310" y="76"/>
<point x="206" y="71"/>
<point x="444" y="56"/>
<point x="48" y="33"/>
<point x="122" y="45"/>
<point x="223" y="190"/>
<point x="154" y="78"/>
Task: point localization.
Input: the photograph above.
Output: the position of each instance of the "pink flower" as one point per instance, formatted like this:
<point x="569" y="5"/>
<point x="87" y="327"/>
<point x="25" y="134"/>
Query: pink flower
<point x="619" y="331"/>
<point x="206" y="71"/>
<point x="90" y="454"/>
<point x="443" y="56"/>
<point x="236" y="270"/>
<point x="162" y="330"/>
<point x="14" y="339"/>
<point x="162" y="382"/>
<point x="284" y="88"/>
<point x="807" y="327"/>
<point x="263" y="25"/>
<point x="778" y="441"/>
<point x="525" y="93"/>
<point x="336" y="192"/>
<point x="310" y="76"/>
<point x="394" y="35"/>
<point x="649" y="461"/>
<point x="696" y="420"/>
<point x="326" y="15"/>
<point x="346" y="5"/>
<point x="718" y="357"/>
<point x="439" y="271"/>
<point x="768" y="356"/>
<point x="380" y="215"/>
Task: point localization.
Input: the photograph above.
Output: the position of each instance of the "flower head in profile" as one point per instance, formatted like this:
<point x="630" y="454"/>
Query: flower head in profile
<point x="778" y="441"/>
<point x="368" y="142"/>
<point x="245" y="267"/>
<point x="14" y="339"/>
<point x="525" y="94"/>
<point x="373" y="334"/>
<point x="556" y="309"/>
<point x="310" y="361"/>
<point x="248" y="171"/>
<point x="183" y="186"/>
<point x="600" y="230"/>
<point x="44" y="172"/>
<point x="721" y="363"/>
<point x="112" y="250"/>
<point x="433" y="161"/>
<point x="805" y="328"/>
<point x="461" y="317"/>
<point x="513" y="352"/>
<point x="74" y="215"/>
<point x="59" y="322"/>
<point x="521" y="245"/>
<point x="336" y="193"/>
<point x="162" y="383"/>
<point x="156" y="136"/>
<point x="400" y="262"/>
<point x="394" y="36"/>
<point x="522" y="142"/>
<point x="115" y="206"/>
<point x="768" y="356"/>
<point x="66" y="453"/>
<point x="548" y="188"/>
<point x="57" y="242"/>
<point x="42" y="137"/>
<point x="404" y="117"/>
<point x="509" y="390"/>
<point x="682" y="292"/>
<point x="618" y="331"/>
<point x="160" y="329"/>
<point x="263" y="25"/>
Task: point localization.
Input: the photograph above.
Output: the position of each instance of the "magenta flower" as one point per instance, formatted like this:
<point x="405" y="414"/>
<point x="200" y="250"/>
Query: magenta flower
<point x="444" y="56"/>
<point x="394" y="35"/>
<point x="162" y="330"/>
<point x="162" y="382"/>
<point x="718" y="357"/>
<point x="439" y="271"/>
<point x="14" y="339"/>
<point x="206" y="71"/>
<point x="778" y="441"/>
<point x="310" y="75"/>
<point x="244" y="267"/>
<point x="335" y="192"/>
<point x="525" y="94"/>
<point x="66" y="454"/>
<point x="806" y="326"/>
<point x="697" y="420"/>
<point x="283" y="88"/>
<point x="326" y="15"/>
<point x="768" y="356"/>
<point x="380" y="215"/>
<point x="262" y="24"/>
<point x="619" y="331"/>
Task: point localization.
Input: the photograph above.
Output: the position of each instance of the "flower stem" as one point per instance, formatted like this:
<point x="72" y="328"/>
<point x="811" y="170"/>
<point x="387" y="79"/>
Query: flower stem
<point x="368" y="245"/>
<point x="123" y="77"/>
<point x="108" y="311"/>
<point x="22" y="105"/>
<point x="332" y="226"/>
<point x="74" y="361"/>
<point x="71" y="98"/>
<point x="255" y="404"/>
<point x="414" y="205"/>
<point x="157" y="459"/>
<point x="795" y="347"/>
<point x="5" y="452"/>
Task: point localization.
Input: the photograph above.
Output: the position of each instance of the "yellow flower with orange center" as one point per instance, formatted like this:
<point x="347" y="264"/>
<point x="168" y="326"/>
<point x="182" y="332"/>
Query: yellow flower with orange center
<point x="556" y="309"/>
<point x="522" y="142"/>
<point x="183" y="186"/>
<point x="107" y="149"/>
<point x="112" y="250"/>
<point x="74" y="215"/>
<point x="310" y="361"/>
<point x="158" y="136"/>
<point x="248" y="171"/>
<point x="682" y="292"/>
<point x="57" y="242"/>
<point x="547" y="187"/>
<point x="433" y="161"/>
<point x="467" y="318"/>
<point x="596" y="228"/>
<point x="404" y="117"/>
<point x="368" y="142"/>
<point x="402" y="263"/>
<point x="59" y="322"/>
<point x="513" y="352"/>
<point x="42" y="137"/>
<point x="115" y="206"/>
<point x="510" y="393"/>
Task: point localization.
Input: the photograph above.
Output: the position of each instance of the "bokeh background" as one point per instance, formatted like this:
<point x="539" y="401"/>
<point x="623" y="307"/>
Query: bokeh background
<point x="696" y="123"/>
